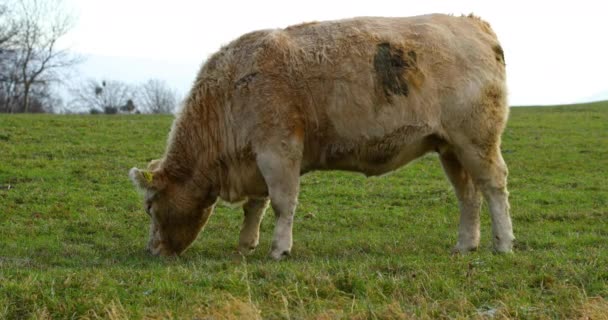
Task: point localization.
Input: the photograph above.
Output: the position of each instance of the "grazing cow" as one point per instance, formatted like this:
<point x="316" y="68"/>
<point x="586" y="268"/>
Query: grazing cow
<point x="364" y="94"/>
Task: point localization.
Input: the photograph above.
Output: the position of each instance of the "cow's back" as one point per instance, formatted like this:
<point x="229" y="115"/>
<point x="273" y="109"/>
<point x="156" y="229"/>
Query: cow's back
<point x="382" y="73"/>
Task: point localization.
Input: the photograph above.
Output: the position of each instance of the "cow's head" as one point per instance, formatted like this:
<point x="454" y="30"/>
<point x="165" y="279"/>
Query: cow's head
<point x="178" y="210"/>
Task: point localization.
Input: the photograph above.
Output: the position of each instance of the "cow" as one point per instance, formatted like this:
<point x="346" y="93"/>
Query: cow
<point x="365" y="94"/>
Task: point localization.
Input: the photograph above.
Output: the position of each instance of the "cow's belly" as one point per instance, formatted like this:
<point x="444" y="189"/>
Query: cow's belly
<point x="372" y="157"/>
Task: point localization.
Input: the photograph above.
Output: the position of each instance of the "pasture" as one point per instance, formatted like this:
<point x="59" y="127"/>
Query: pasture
<point x="73" y="231"/>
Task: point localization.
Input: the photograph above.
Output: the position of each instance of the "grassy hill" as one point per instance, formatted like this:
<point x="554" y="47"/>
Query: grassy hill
<point x="72" y="232"/>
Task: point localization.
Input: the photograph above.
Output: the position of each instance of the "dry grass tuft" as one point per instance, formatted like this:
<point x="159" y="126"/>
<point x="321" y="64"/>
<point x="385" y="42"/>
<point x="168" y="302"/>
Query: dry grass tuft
<point x="595" y="308"/>
<point x="113" y="311"/>
<point x="42" y="314"/>
<point x="231" y="309"/>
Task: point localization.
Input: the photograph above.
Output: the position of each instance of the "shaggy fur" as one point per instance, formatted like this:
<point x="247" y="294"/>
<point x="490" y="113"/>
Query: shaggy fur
<point x="363" y="94"/>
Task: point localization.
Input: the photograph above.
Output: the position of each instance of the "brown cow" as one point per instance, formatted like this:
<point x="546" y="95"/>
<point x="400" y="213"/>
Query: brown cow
<point x="364" y="94"/>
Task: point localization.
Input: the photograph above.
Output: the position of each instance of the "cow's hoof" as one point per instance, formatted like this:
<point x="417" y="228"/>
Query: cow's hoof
<point x="246" y="249"/>
<point x="458" y="249"/>
<point x="503" y="246"/>
<point x="279" y="254"/>
<point x="503" y="249"/>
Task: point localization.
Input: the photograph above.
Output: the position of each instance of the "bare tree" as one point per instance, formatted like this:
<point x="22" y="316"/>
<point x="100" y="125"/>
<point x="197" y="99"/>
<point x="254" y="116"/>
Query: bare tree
<point x="155" y="96"/>
<point x="36" y="57"/>
<point x="106" y="96"/>
<point x="8" y="27"/>
<point x="8" y="31"/>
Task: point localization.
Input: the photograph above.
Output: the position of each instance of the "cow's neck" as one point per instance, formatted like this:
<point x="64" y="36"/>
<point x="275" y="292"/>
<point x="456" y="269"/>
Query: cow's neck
<point x="193" y="147"/>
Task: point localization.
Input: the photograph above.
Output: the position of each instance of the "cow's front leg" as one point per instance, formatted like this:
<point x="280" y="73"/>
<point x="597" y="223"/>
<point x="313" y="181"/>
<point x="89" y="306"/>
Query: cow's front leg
<point x="282" y="176"/>
<point x="250" y="233"/>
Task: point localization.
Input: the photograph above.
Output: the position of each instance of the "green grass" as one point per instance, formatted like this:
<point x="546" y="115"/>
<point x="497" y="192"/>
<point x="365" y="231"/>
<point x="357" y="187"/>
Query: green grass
<point x="72" y="232"/>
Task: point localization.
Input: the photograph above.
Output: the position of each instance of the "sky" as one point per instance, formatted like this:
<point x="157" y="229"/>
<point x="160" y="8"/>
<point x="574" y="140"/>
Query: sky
<point x="556" y="51"/>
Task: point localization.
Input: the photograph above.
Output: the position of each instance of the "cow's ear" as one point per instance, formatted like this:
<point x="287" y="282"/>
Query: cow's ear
<point x="147" y="179"/>
<point x="154" y="164"/>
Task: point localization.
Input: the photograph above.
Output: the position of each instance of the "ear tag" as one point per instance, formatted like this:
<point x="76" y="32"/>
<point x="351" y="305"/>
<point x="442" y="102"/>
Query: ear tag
<point x="148" y="176"/>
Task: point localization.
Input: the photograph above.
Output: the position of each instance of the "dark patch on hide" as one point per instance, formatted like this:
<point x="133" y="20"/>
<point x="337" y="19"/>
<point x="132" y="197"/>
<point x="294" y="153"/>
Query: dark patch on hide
<point x="391" y="66"/>
<point x="500" y="54"/>
<point x="244" y="81"/>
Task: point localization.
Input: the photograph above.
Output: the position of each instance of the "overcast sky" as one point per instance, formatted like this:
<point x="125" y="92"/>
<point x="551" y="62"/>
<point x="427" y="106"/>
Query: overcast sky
<point x="556" y="51"/>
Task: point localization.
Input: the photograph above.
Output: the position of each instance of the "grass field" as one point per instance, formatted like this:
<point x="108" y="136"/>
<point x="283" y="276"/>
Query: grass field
<point x="72" y="233"/>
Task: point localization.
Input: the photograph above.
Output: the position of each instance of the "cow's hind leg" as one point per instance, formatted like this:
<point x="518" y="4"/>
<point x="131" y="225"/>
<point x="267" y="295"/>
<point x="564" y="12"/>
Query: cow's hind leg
<point x="469" y="200"/>
<point x="250" y="232"/>
<point x="489" y="173"/>
<point x="282" y="176"/>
